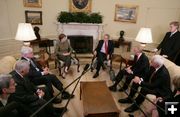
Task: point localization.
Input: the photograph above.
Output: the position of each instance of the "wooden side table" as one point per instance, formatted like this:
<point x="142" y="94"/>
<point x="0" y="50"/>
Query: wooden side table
<point x="42" y="58"/>
<point x="126" y="59"/>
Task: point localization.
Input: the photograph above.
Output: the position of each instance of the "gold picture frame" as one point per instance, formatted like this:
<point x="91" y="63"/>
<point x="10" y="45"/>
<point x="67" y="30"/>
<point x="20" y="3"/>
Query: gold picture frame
<point x="80" y="5"/>
<point x="126" y="13"/>
<point x="33" y="3"/>
<point x="33" y="17"/>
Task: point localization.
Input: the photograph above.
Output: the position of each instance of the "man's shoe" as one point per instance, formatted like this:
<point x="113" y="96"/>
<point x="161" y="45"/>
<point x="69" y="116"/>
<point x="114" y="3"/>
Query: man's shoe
<point x="96" y="75"/>
<point x="66" y="95"/>
<point x="113" y="88"/>
<point x="121" y="89"/>
<point x="132" y="108"/>
<point x="60" y="110"/>
<point x="103" y="67"/>
<point x="57" y="100"/>
<point x="130" y="115"/>
<point x="126" y="100"/>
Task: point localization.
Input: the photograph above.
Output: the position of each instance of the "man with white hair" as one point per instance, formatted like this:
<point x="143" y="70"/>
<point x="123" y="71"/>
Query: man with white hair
<point x="39" y="75"/>
<point x="139" y="68"/>
<point x="31" y="97"/>
<point x="159" y="83"/>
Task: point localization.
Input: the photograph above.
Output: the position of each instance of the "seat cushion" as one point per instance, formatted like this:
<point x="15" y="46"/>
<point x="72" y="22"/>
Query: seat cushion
<point x="6" y="64"/>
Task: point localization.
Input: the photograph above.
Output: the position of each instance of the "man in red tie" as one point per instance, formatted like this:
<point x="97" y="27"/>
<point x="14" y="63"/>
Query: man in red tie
<point x="103" y="52"/>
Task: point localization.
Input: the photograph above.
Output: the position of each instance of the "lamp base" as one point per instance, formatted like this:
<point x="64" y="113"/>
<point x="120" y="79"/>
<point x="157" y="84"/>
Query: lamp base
<point x="143" y="44"/>
<point x="26" y="43"/>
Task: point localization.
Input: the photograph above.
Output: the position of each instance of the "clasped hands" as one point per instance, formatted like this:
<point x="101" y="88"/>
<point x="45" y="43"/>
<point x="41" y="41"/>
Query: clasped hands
<point x="66" y="53"/>
<point x="136" y="79"/>
<point x="128" y="69"/>
<point x="40" y="93"/>
<point x="46" y="70"/>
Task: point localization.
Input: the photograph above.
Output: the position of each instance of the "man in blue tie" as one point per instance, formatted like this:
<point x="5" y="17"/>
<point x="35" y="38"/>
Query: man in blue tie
<point x="103" y="52"/>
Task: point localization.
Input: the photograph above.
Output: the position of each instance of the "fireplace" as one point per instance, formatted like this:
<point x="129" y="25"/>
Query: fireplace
<point x="81" y="44"/>
<point x="81" y="32"/>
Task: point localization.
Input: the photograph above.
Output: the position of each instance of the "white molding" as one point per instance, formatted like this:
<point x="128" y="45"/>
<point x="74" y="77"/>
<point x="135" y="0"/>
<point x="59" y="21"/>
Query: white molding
<point x="86" y="29"/>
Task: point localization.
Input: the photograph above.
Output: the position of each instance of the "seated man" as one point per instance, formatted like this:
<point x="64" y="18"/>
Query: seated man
<point x="156" y="111"/>
<point x="159" y="83"/>
<point x="40" y="76"/>
<point x="103" y="52"/>
<point x="63" y="51"/>
<point x="7" y="87"/>
<point x="28" y="95"/>
<point x="139" y="68"/>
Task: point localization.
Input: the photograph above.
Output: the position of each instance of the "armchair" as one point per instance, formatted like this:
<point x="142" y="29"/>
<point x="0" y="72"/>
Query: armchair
<point x="61" y="64"/>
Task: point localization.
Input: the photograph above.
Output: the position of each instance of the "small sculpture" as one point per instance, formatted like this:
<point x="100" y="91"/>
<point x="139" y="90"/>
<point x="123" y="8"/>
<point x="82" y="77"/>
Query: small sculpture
<point x="36" y="31"/>
<point x="121" y="38"/>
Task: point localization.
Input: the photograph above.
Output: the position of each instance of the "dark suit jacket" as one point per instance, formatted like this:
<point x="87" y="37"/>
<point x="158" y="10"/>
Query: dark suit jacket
<point x="110" y="46"/>
<point x="160" y="82"/>
<point x="9" y="110"/>
<point x="25" y="90"/>
<point x="170" y="45"/>
<point x="32" y="71"/>
<point x="141" y="66"/>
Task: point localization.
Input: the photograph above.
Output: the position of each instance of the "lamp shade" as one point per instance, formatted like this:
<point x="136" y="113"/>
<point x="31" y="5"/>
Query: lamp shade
<point x="144" y="36"/>
<point x="25" y="32"/>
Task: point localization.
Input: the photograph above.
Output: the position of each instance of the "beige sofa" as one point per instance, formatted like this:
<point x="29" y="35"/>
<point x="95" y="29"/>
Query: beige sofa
<point x="174" y="72"/>
<point x="7" y="64"/>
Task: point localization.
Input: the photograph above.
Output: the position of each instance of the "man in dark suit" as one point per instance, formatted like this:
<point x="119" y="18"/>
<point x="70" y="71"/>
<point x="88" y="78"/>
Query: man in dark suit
<point x="40" y="76"/>
<point x="139" y="68"/>
<point x="103" y="52"/>
<point x="7" y="87"/>
<point x="27" y="94"/>
<point x="170" y="45"/>
<point x="158" y="83"/>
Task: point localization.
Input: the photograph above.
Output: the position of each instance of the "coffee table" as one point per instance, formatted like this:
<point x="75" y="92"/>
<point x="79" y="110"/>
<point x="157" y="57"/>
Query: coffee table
<point x="97" y="100"/>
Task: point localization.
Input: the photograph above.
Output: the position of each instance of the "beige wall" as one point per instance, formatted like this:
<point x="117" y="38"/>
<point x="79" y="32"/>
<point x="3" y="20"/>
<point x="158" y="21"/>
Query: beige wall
<point x="155" y="14"/>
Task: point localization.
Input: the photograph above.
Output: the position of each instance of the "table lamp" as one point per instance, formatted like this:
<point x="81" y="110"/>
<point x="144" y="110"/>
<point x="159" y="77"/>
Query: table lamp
<point x="144" y="36"/>
<point x="25" y="33"/>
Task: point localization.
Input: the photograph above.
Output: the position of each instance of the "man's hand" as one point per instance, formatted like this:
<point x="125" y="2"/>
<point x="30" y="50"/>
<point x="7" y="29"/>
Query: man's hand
<point x="95" y="53"/>
<point x="159" y="99"/>
<point x="128" y="69"/>
<point x="155" y="50"/>
<point x="46" y="70"/>
<point x="136" y="79"/>
<point x="40" y="93"/>
<point x="108" y="57"/>
<point x="165" y="56"/>
<point x="66" y="53"/>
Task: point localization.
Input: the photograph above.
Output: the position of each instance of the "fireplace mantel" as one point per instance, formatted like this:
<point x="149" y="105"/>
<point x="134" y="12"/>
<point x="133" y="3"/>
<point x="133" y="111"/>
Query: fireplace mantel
<point x="86" y="29"/>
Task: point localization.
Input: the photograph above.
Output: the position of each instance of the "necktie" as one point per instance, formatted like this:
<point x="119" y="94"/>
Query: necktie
<point x="34" y="65"/>
<point x="106" y="47"/>
<point x="150" y="79"/>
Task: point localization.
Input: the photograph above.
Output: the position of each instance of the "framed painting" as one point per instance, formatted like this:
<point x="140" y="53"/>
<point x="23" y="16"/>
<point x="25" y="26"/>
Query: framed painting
<point x="33" y="17"/>
<point x="80" y="5"/>
<point x="126" y="13"/>
<point x="33" y="3"/>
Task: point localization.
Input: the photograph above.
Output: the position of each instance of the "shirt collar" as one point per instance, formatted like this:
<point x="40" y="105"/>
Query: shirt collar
<point x="172" y="33"/>
<point x="19" y="74"/>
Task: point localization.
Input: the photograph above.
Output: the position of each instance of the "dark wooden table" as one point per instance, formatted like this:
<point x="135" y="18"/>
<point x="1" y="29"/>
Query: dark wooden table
<point x="97" y="100"/>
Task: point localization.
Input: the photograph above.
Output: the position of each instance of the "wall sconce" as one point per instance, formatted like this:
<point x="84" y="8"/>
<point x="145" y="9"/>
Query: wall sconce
<point x="144" y="36"/>
<point x="25" y="33"/>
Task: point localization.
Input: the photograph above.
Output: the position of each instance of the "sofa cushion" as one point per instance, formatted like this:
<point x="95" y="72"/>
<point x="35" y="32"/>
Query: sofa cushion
<point x="173" y="69"/>
<point x="7" y="64"/>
